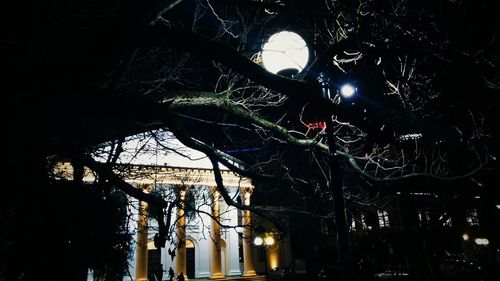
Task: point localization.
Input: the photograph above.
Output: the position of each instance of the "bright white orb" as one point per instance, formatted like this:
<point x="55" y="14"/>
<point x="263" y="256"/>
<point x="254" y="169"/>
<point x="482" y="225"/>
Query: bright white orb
<point x="347" y="91"/>
<point x="257" y="241"/>
<point x="285" y="50"/>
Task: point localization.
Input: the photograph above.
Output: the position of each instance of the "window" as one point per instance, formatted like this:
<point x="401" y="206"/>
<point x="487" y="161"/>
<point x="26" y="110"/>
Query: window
<point x="446" y="222"/>
<point x="472" y="217"/>
<point x="364" y="225"/>
<point x="358" y="223"/>
<point x="353" y="225"/>
<point x="424" y="217"/>
<point x="383" y="218"/>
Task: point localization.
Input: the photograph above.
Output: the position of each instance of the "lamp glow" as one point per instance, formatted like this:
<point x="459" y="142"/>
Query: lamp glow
<point x="285" y="50"/>
<point x="269" y="240"/>
<point x="482" y="241"/>
<point x="347" y="91"/>
<point x="257" y="241"/>
<point x="465" y="237"/>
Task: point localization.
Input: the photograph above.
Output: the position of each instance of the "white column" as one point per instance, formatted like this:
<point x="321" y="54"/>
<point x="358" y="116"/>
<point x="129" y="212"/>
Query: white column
<point x="141" y="251"/>
<point x="168" y="260"/>
<point x="132" y="226"/>
<point x="215" y="247"/>
<point x="180" y="258"/>
<point x="248" y="266"/>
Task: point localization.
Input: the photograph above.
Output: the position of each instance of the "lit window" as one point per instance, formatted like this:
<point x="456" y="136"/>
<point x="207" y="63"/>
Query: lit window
<point x="424" y="217"/>
<point x="363" y="222"/>
<point x="358" y="223"/>
<point x="383" y="218"/>
<point x="472" y="217"/>
<point x="446" y="222"/>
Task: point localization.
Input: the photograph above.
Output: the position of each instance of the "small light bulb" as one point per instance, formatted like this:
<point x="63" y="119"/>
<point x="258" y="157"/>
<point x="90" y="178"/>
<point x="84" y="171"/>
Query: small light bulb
<point x="347" y="91"/>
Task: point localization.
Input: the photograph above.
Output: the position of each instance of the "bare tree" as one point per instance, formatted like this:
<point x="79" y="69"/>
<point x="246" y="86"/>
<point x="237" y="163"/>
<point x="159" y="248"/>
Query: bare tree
<point x="100" y="73"/>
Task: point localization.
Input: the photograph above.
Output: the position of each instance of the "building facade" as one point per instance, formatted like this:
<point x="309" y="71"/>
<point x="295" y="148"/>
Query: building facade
<point x="200" y="247"/>
<point x="209" y="238"/>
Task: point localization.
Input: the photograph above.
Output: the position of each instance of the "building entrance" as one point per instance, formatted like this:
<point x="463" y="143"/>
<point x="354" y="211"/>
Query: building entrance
<point x="155" y="270"/>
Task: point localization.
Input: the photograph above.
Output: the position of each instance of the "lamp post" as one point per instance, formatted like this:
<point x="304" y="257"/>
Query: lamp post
<point x="277" y="56"/>
<point x="264" y="241"/>
<point x="336" y="186"/>
<point x="335" y="182"/>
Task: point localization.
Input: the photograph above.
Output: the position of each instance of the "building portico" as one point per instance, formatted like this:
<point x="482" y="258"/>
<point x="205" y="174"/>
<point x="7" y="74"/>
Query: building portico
<point x="207" y="245"/>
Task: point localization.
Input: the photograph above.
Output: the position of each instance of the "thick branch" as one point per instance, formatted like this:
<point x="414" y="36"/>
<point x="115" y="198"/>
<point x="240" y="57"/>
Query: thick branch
<point x="229" y="161"/>
<point x="106" y="172"/>
<point x="229" y="201"/>
<point x="354" y="165"/>
<point x="218" y="101"/>
<point x="154" y="36"/>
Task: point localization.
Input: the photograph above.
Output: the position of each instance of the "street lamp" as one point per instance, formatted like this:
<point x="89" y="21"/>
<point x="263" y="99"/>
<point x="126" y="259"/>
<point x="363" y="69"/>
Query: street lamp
<point x="258" y="241"/>
<point x="347" y="90"/>
<point x="269" y="240"/>
<point x="264" y="240"/>
<point x="465" y="236"/>
<point x="336" y="185"/>
<point x="287" y="50"/>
